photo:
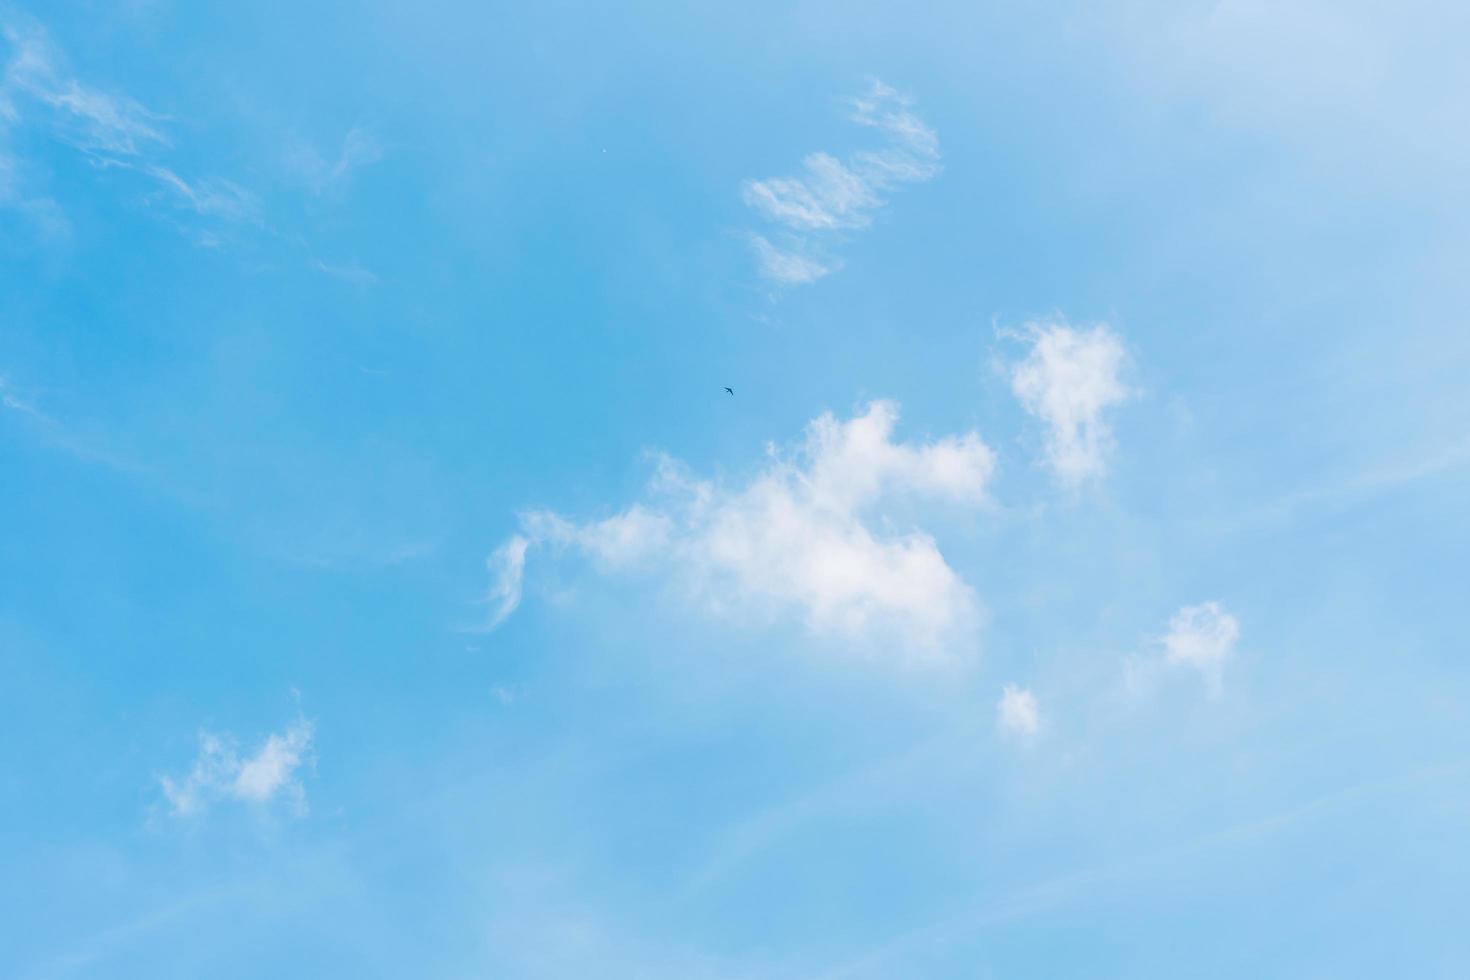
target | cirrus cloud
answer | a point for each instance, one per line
(830, 196)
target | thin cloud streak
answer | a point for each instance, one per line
(831, 196)
(61, 436)
(1066, 889)
(112, 130)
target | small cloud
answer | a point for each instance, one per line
(787, 268)
(354, 274)
(1068, 380)
(507, 566)
(1202, 637)
(830, 196)
(323, 176)
(220, 773)
(1016, 714)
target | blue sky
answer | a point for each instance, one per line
(1073, 586)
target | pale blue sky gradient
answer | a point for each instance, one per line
(307, 309)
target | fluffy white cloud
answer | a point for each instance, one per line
(812, 533)
(1202, 637)
(220, 773)
(831, 195)
(1016, 713)
(1068, 380)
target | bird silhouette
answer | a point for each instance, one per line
(730, 390)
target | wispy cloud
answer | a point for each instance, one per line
(354, 274)
(830, 196)
(13, 401)
(112, 129)
(507, 566)
(787, 268)
(221, 773)
(1369, 482)
(324, 176)
(1069, 379)
(1093, 881)
(90, 119)
(211, 197)
(812, 533)
(60, 435)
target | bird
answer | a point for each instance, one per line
(730, 390)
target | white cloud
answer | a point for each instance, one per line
(828, 196)
(507, 566)
(1202, 637)
(60, 435)
(1016, 713)
(816, 533)
(831, 195)
(787, 268)
(1068, 380)
(220, 773)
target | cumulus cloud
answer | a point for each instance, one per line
(1202, 637)
(220, 773)
(1068, 380)
(1016, 714)
(831, 195)
(816, 534)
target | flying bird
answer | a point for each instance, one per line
(730, 390)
